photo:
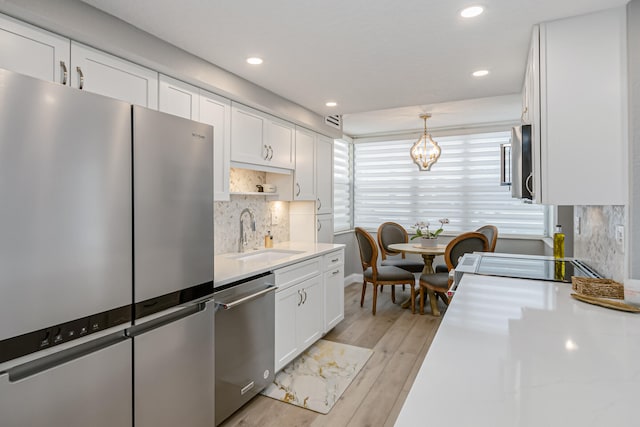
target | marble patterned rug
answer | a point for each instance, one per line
(317, 378)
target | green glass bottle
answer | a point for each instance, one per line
(558, 242)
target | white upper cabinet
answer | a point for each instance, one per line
(248, 142)
(580, 139)
(32, 51)
(47, 56)
(184, 100)
(260, 139)
(216, 111)
(281, 142)
(108, 75)
(324, 175)
(178, 98)
(304, 187)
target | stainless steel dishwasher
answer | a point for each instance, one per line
(244, 338)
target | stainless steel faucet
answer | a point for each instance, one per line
(243, 238)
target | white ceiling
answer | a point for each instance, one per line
(377, 57)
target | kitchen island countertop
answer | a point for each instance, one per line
(228, 268)
(524, 353)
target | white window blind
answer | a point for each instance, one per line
(462, 186)
(342, 212)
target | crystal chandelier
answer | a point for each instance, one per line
(425, 152)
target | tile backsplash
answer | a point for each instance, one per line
(596, 244)
(227, 214)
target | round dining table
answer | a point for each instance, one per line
(428, 254)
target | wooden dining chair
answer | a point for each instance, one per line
(491, 233)
(389, 233)
(438, 283)
(380, 275)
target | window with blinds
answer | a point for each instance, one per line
(463, 186)
(342, 212)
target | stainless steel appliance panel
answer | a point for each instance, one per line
(245, 337)
(173, 197)
(173, 368)
(65, 213)
(93, 389)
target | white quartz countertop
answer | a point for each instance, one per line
(524, 353)
(228, 268)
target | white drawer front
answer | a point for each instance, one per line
(333, 259)
(296, 273)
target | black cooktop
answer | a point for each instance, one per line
(534, 268)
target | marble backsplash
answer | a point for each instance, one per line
(596, 244)
(226, 215)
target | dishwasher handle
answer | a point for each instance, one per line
(228, 305)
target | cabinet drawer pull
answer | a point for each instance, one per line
(65, 73)
(270, 153)
(319, 203)
(305, 296)
(335, 260)
(298, 188)
(266, 152)
(335, 272)
(319, 225)
(81, 85)
(300, 295)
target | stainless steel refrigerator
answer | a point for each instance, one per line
(106, 261)
(173, 263)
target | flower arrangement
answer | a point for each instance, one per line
(422, 229)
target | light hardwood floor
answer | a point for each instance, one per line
(400, 341)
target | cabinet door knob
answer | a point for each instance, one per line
(65, 73)
(81, 85)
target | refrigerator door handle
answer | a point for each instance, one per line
(169, 318)
(45, 363)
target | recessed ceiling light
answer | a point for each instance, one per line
(472, 11)
(480, 73)
(331, 104)
(254, 60)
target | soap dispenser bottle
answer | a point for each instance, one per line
(268, 240)
(558, 242)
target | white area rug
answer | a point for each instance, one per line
(317, 378)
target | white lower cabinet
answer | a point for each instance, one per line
(309, 303)
(299, 319)
(333, 279)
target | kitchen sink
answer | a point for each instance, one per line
(263, 255)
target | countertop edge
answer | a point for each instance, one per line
(228, 271)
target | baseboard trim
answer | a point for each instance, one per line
(355, 277)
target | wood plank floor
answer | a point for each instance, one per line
(400, 341)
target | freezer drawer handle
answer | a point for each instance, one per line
(240, 301)
(165, 320)
(37, 366)
(246, 388)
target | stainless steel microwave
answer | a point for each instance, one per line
(516, 167)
